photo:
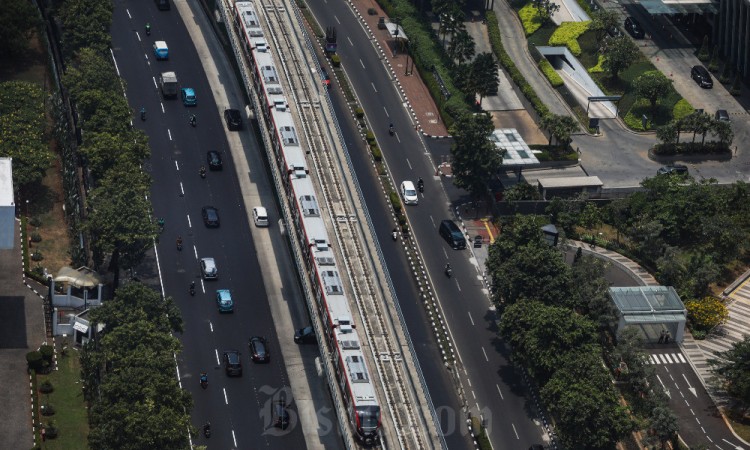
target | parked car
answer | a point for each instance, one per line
(673, 169)
(700, 75)
(188, 97)
(260, 216)
(214, 160)
(224, 301)
(723, 115)
(210, 216)
(233, 363)
(259, 349)
(634, 27)
(409, 193)
(452, 234)
(233, 118)
(209, 271)
(305, 335)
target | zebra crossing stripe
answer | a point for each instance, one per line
(682, 358)
(652, 359)
(669, 360)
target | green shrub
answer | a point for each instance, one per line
(395, 202)
(35, 222)
(359, 112)
(736, 88)
(682, 109)
(567, 34)
(47, 352)
(36, 237)
(704, 52)
(699, 334)
(377, 155)
(633, 117)
(47, 410)
(335, 60)
(530, 19)
(37, 256)
(554, 78)
(50, 430)
(706, 313)
(46, 387)
(35, 360)
(598, 67)
(370, 136)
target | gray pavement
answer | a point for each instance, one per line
(23, 331)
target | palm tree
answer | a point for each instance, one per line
(451, 20)
(484, 75)
(461, 47)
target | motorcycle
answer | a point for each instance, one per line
(193, 121)
(394, 234)
(391, 130)
(204, 381)
(192, 288)
(143, 114)
(207, 430)
(148, 29)
(420, 186)
(203, 172)
(448, 271)
(179, 246)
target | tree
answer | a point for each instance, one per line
(723, 131)
(652, 85)
(560, 127)
(602, 21)
(670, 271)
(103, 151)
(461, 47)
(668, 134)
(475, 157)
(702, 270)
(484, 77)
(620, 53)
(135, 301)
(120, 218)
(90, 71)
(664, 423)
(521, 191)
(542, 336)
(86, 24)
(546, 9)
(451, 20)
(732, 368)
(706, 313)
(18, 22)
(591, 291)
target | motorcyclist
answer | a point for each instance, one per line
(390, 128)
(395, 233)
(203, 171)
(448, 270)
(161, 222)
(179, 241)
(148, 28)
(204, 378)
(420, 184)
(143, 113)
(207, 428)
(192, 119)
(192, 285)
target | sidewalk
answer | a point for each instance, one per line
(416, 95)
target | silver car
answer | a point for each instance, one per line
(208, 269)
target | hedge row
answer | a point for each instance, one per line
(497, 47)
(554, 78)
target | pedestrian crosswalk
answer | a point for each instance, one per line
(667, 358)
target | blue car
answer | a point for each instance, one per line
(188, 97)
(224, 301)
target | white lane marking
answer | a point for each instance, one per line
(473, 394)
(179, 378)
(386, 112)
(154, 80)
(514, 430)
(169, 132)
(500, 392)
(190, 222)
(337, 20)
(203, 287)
(195, 251)
(138, 35)
(211, 326)
(458, 285)
(350, 41)
(485, 355)
(652, 359)
(362, 64)
(409, 164)
(129, 16)
(690, 388)
(373, 87)
(177, 165)
(163, 111)
(117, 68)
(234, 438)
(226, 399)
(471, 318)
(217, 357)
(182, 189)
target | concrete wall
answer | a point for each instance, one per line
(7, 227)
(732, 33)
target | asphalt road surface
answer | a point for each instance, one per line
(495, 389)
(239, 409)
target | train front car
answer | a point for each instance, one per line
(368, 423)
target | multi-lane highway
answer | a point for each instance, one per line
(238, 408)
(492, 386)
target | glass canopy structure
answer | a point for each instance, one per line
(651, 309)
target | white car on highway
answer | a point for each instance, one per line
(409, 193)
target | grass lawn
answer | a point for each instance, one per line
(71, 415)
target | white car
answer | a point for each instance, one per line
(260, 216)
(409, 193)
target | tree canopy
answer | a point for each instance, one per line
(620, 53)
(732, 368)
(19, 19)
(652, 85)
(475, 157)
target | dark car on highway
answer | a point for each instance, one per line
(233, 363)
(210, 216)
(259, 349)
(233, 118)
(305, 336)
(280, 415)
(214, 160)
(700, 75)
(634, 28)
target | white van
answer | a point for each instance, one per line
(161, 51)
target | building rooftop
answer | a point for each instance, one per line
(647, 300)
(517, 152)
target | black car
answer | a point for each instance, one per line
(634, 28)
(233, 363)
(674, 169)
(305, 336)
(452, 234)
(700, 75)
(214, 160)
(233, 118)
(210, 216)
(259, 349)
(722, 115)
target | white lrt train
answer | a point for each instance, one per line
(309, 228)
